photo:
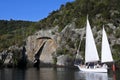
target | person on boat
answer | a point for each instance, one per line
(97, 65)
(104, 66)
(91, 65)
(87, 65)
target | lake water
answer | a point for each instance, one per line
(54, 74)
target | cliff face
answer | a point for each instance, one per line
(48, 51)
(63, 45)
(55, 44)
(43, 44)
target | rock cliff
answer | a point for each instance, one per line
(54, 42)
(63, 45)
(36, 41)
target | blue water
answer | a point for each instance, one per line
(54, 74)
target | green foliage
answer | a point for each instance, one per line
(14, 32)
(55, 60)
(116, 47)
(15, 57)
(116, 54)
(60, 52)
(117, 34)
(77, 11)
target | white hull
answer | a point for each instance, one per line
(97, 70)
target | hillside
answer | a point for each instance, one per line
(14, 32)
(105, 11)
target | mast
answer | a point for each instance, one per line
(91, 54)
(81, 38)
(79, 56)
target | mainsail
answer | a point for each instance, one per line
(106, 55)
(91, 54)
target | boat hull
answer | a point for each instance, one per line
(97, 70)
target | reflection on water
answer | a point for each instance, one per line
(53, 74)
(92, 76)
(96, 76)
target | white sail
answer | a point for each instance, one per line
(91, 54)
(106, 55)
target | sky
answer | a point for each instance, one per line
(28, 10)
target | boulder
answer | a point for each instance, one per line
(64, 60)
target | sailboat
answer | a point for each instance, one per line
(91, 54)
